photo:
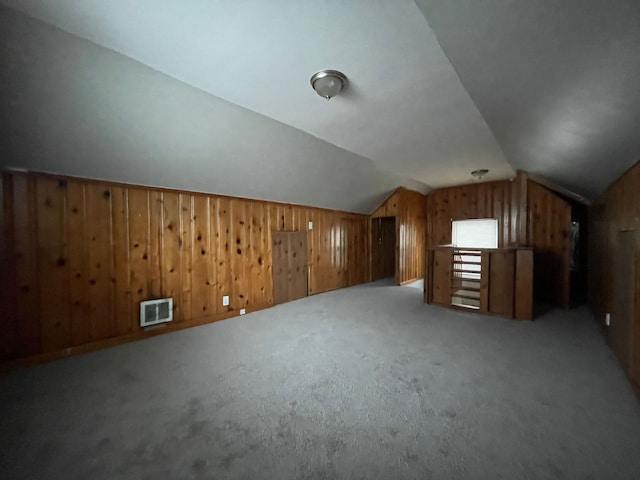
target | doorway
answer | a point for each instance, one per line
(578, 254)
(383, 248)
(290, 272)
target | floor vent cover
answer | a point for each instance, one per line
(153, 312)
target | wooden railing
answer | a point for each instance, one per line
(494, 281)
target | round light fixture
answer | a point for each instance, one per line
(478, 174)
(328, 83)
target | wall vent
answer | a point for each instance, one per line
(153, 312)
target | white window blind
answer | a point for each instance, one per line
(478, 233)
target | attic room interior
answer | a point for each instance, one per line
(211, 271)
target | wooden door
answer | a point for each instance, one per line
(290, 273)
(383, 247)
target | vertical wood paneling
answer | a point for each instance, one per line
(477, 200)
(123, 305)
(138, 224)
(614, 276)
(280, 267)
(53, 271)
(200, 284)
(441, 277)
(101, 305)
(549, 221)
(524, 285)
(237, 253)
(225, 252)
(501, 282)
(80, 315)
(26, 288)
(172, 253)
(9, 344)
(258, 293)
(185, 244)
(155, 235)
(81, 255)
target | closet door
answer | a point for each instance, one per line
(290, 272)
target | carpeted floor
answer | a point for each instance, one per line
(365, 382)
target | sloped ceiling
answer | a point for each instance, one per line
(216, 95)
(71, 107)
(558, 82)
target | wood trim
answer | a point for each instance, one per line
(112, 342)
(559, 189)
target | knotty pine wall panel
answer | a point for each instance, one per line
(53, 269)
(80, 255)
(122, 302)
(499, 200)
(100, 259)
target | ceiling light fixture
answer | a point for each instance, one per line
(328, 83)
(478, 174)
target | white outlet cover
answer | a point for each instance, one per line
(242, 311)
(225, 301)
(607, 319)
(310, 225)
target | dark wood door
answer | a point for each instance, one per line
(290, 275)
(383, 247)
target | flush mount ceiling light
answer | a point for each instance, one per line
(328, 83)
(478, 174)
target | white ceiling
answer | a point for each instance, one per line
(436, 89)
(405, 108)
(557, 81)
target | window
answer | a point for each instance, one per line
(480, 233)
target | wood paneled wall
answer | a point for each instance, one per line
(409, 209)
(528, 214)
(499, 200)
(79, 256)
(548, 227)
(614, 267)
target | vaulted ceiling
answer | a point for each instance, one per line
(215, 96)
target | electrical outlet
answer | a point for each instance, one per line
(310, 225)
(242, 311)
(225, 301)
(607, 319)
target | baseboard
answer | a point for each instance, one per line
(8, 365)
